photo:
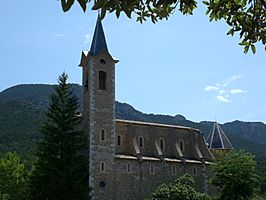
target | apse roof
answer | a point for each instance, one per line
(217, 139)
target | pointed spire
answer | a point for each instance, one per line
(217, 138)
(98, 42)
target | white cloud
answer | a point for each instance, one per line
(222, 92)
(237, 91)
(222, 99)
(231, 79)
(59, 35)
(211, 88)
(87, 38)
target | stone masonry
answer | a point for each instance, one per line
(129, 159)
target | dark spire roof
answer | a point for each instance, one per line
(98, 42)
(217, 138)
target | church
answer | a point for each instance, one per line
(130, 159)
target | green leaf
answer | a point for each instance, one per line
(206, 3)
(243, 3)
(117, 12)
(253, 48)
(83, 4)
(230, 32)
(103, 13)
(98, 4)
(243, 43)
(246, 48)
(66, 4)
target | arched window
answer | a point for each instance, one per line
(102, 167)
(161, 143)
(102, 61)
(102, 80)
(129, 167)
(119, 140)
(141, 142)
(152, 170)
(102, 135)
(173, 170)
(181, 145)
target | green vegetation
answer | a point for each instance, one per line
(61, 170)
(13, 178)
(246, 17)
(19, 126)
(234, 174)
(182, 189)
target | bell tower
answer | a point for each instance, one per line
(98, 83)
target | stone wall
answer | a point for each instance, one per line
(99, 118)
(140, 182)
(167, 163)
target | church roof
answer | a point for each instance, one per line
(217, 138)
(98, 42)
(155, 124)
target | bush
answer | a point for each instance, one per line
(182, 189)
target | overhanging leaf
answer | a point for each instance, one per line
(83, 4)
(66, 4)
(253, 48)
(98, 4)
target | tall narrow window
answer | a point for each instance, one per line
(102, 135)
(173, 170)
(102, 167)
(119, 141)
(181, 144)
(152, 169)
(141, 142)
(129, 167)
(86, 84)
(102, 80)
(194, 171)
(161, 143)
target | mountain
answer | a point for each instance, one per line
(22, 111)
(23, 107)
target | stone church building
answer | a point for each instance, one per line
(129, 159)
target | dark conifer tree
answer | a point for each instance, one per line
(61, 170)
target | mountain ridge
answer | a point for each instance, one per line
(34, 98)
(23, 108)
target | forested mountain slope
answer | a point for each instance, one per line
(22, 110)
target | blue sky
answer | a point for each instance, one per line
(185, 65)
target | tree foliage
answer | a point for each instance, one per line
(182, 189)
(61, 170)
(235, 176)
(246, 17)
(13, 177)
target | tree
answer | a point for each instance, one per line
(246, 17)
(182, 189)
(13, 177)
(61, 171)
(235, 176)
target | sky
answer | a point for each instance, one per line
(185, 65)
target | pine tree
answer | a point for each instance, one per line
(61, 170)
